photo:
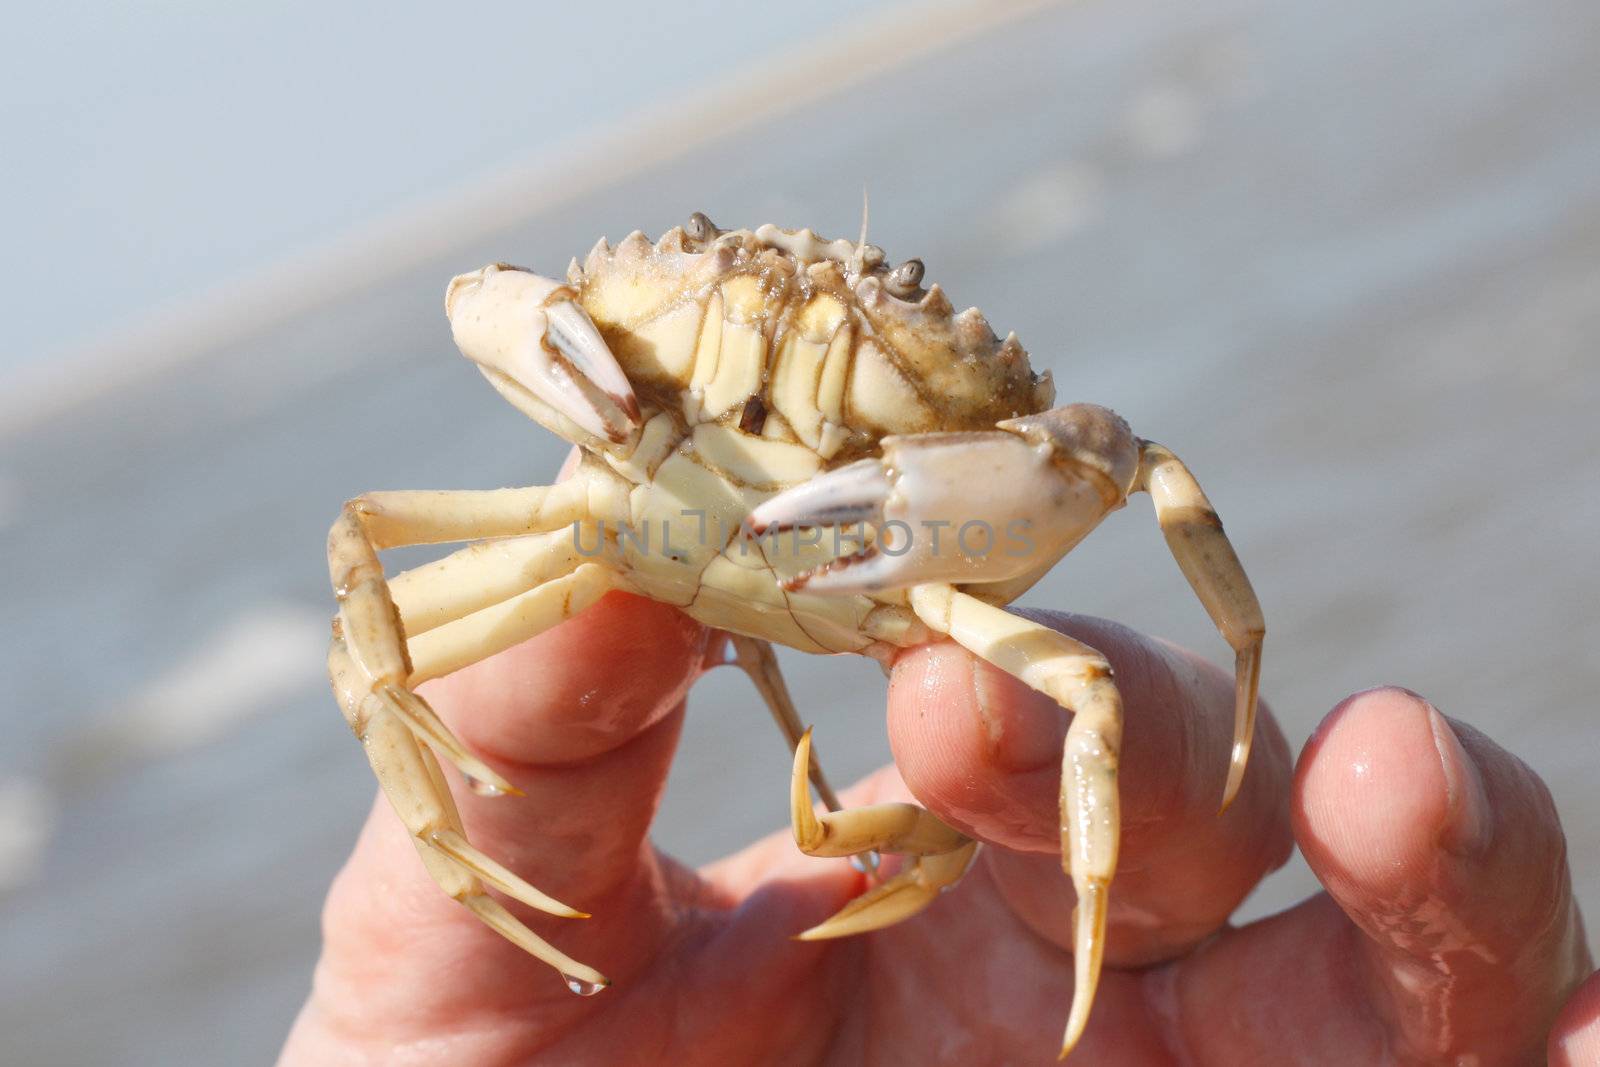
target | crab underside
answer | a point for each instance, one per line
(794, 442)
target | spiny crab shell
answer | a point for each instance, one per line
(837, 349)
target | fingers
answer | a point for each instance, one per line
(1446, 852)
(563, 717)
(584, 720)
(984, 752)
(1575, 1038)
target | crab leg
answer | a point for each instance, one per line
(465, 641)
(371, 663)
(756, 658)
(1195, 536)
(369, 620)
(942, 853)
(411, 778)
(898, 898)
(482, 574)
(431, 516)
(1079, 679)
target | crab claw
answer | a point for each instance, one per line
(966, 508)
(538, 346)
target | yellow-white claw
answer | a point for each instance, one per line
(1089, 942)
(899, 898)
(580, 977)
(889, 827)
(459, 849)
(850, 494)
(539, 347)
(808, 831)
(1247, 683)
(1006, 510)
(430, 729)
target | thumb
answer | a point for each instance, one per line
(1575, 1038)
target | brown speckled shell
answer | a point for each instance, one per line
(946, 371)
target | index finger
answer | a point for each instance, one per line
(983, 751)
(583, 719)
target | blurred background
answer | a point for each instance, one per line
(1345, 260)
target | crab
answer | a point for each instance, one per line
(773, 432)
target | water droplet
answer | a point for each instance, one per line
(866, 862)
(482, 788)
(583, 988)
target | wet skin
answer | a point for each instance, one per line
(1447, 928)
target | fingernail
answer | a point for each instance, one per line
(1466, 828)
(1023, 735)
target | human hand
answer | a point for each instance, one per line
(1447, 933)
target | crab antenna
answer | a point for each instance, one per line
(861, 245)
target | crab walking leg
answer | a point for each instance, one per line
(1195, 536)
(411, 779)
(371, 669)
(1079, 679)
(942, 853)
(467, 640)
(898, 898)
(482, 574)
(369, 620)
(756, 658)
(433, 516)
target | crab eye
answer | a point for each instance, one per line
(701, 228)
(905, 279)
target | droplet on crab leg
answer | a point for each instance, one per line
(867, 862)
(482, 788)
(583, 987)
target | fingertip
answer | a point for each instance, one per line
(978, 747)
(1381, 786)
(1575, 1037)
(579, 690)
(1396, 810)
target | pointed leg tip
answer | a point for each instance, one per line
(1236, 769)
(808, 830)
(827, 930)
(1076, 1021)
(540, 901)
